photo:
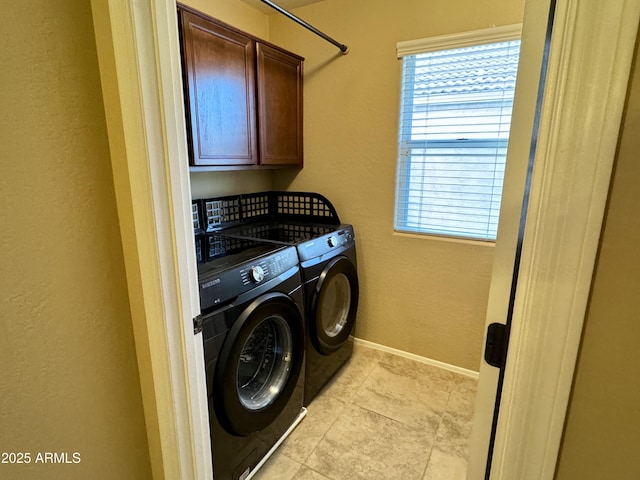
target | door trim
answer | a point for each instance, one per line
(139, 59)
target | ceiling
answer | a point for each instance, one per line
(286, 4)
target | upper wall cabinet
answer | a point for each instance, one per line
(243, 97)
(279, 106)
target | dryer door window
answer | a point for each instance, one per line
(259, 365)
(334, 305)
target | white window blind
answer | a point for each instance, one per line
(455, 117)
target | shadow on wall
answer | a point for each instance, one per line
(308, 74)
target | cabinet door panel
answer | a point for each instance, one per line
(279, 107)
(220, 77)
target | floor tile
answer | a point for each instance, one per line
(352, 375)
(457, 422)
(382, 417)
(443, 466)
(322, 412)
(454, 434)
(365, 445)
(463, 396)
(278, 467)
(406, 391)
(437, 377)
(305, 473)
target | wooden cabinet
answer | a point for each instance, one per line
(243, 97)
(279, 106)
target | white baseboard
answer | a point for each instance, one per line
(418, 358)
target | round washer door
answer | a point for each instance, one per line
(259, 365)
(334, 305)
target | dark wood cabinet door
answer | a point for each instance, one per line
(219, 70)
(279, 107)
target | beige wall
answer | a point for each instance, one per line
(602, 433)
(69, 380)
(421, 295)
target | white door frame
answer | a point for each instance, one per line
(138, 52)
(139, 59)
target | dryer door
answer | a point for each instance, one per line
(259, 364)
(334, 305)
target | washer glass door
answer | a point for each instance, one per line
(259, 365)
(265, 363)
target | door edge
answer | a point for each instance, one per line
(589, 64)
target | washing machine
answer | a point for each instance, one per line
(327, 255)
(251, 297)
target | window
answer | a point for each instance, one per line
(455, 114)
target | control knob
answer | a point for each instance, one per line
(257, 273)
(333, 241)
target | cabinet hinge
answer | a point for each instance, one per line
(197, 325)
(495, 350)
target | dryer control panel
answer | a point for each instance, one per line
(343, 236)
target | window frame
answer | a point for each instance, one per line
(411, 48)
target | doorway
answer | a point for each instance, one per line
(570, 172)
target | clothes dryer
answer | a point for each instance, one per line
(254, 341)
(331, 286)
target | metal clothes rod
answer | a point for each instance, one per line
(343, 48)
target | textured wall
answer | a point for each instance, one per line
(421, 295)
(602, 433)
(69, 380)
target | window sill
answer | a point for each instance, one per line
(444, 238)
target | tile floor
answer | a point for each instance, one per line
(382, 417)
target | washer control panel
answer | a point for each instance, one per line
(221, 285)
(268, 267)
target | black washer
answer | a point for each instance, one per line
(256, 373)
(251, 299)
